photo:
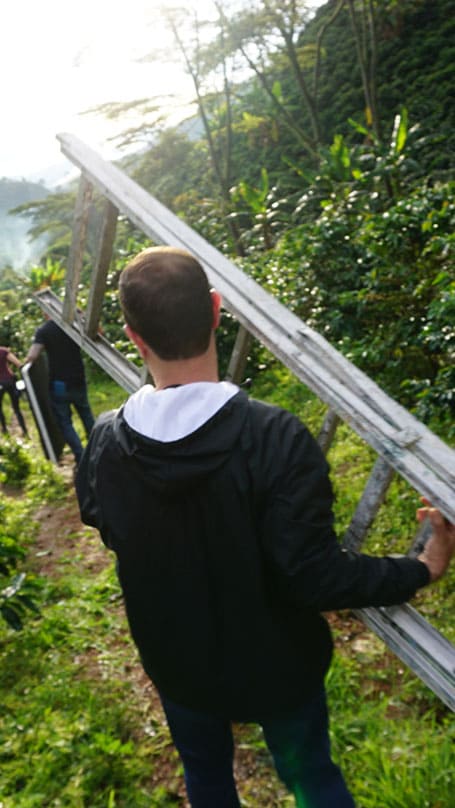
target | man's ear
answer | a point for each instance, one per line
(138, 341)
(216, 307)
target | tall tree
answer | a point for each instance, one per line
(264, 33)
(214, 104)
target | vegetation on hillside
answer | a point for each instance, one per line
(81, 726)
(323, 163)
(21, 471)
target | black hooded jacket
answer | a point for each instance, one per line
(227, 555)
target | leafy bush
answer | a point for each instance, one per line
(16, 590)
(375, 276)
(15, 463)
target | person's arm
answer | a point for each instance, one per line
(13, 359)
(34, 352)
(307, 563)
(87, 480)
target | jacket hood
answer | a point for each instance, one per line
(172, 465)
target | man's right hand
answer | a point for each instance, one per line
(440, 547)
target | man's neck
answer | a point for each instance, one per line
(174, 373)
(179, 379)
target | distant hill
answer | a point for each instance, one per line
(16, 249)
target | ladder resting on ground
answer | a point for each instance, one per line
(402, 443)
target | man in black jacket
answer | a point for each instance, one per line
(67, 384)
(219, 511)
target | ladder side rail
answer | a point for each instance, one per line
(160, 223)
(316, 345)
(418, 644)
(258, 311)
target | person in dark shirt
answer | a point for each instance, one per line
(219, 511)
(8, 385)
(67, 384)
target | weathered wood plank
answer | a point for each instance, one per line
(425, 461)
(37, 414)
(76, 253)
(423, 649)
(101, 268)
(370, 502)
(328, 430)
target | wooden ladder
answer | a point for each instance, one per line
(403, 444)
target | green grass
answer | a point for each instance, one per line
(72, 729)
(104, 394)
(77, 729)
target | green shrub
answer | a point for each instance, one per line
(15, 463)
(16, 589)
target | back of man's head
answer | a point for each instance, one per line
(165, 298)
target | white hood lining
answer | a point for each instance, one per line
(171, 414)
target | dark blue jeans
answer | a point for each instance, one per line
(62, 398)
(10, 388)
(299, 743)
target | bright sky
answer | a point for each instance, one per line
(59, 58)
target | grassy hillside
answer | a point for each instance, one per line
(81, 726)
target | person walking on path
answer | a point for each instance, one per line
(8, 385)
(218, 508)
(67, 384)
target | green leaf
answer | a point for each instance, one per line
(11, 616)
(400, 131)
(276, 90)
(360, 128)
